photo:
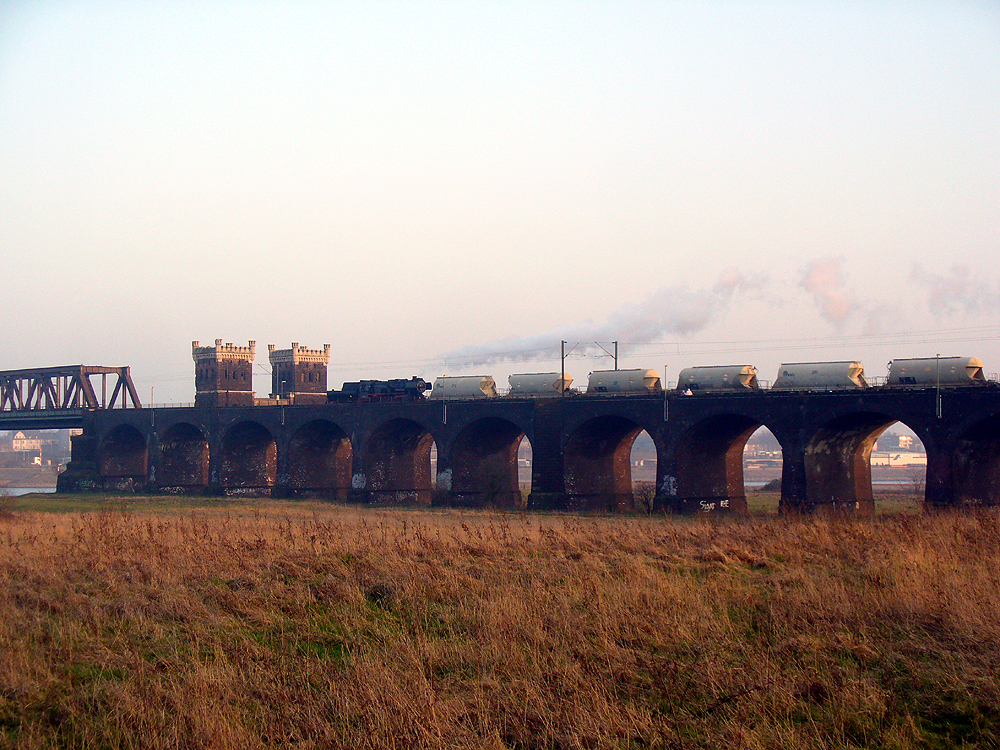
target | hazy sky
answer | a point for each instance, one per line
(425, 185)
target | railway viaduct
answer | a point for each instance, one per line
(381, 452)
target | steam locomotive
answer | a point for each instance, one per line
(369, 391)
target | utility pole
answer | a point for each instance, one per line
(663, 385)
(937, 383)
(562, 368)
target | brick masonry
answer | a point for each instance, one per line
(378, 452)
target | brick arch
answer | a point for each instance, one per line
(397, 463)
(709, 463)
(484, 464)
(838, 461)
(248, 460)
(319, 460)
(184, 458)
(597, 471)
(123, 458)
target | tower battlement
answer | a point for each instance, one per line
(222, 351)
(299, 373)
(299, 354)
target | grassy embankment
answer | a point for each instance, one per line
(182, 623)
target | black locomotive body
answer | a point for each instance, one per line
(368, 391)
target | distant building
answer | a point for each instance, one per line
(24, 443)
(889, 441)
(299, 374)
(27, 450)
(223, 374)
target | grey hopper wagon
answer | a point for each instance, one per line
(718, 378)
(464, 386)
(624, 382)
(539, 384)
(933, 371)
(820, 376)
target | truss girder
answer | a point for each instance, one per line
(65, 388)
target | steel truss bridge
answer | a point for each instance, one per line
(60, 397)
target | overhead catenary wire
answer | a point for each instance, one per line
(588, 350)
(584, 349)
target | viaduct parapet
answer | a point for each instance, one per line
(381, 452)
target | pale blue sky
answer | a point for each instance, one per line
(711, 182)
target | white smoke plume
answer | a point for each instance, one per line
(823, 279)
(676, 310)
(956, 291)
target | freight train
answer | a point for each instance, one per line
(927, 372)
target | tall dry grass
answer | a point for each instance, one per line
(319, 626)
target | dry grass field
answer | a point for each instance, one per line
(194, 624)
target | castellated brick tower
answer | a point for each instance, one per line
(299, 374)
(223, 374)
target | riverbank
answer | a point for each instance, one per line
(28, 477)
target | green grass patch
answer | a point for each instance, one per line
(86, 672)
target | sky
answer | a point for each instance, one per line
(445, 188)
